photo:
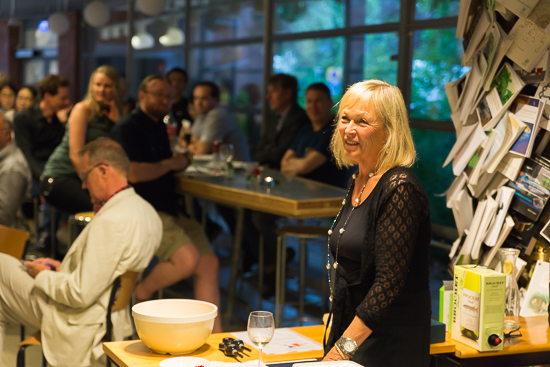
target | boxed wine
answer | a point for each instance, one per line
(478, 307)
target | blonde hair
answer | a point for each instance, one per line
(111, 73)
(387, 101)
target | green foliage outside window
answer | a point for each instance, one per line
(428, 9)
(432, 148)
(379, 48)
(379, 12)
(310, 15)
(436, 61)
(308, 61)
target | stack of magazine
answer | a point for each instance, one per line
(500, 110)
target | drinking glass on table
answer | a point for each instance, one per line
(260, 330)
(226, 152)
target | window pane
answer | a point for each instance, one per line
(432, 148)
(309, 15)
(427, 9)
(156, 62)
(371, 57)
(369, 12)
(309, 61)
(230, 19)
(436, 61)
(236, 69)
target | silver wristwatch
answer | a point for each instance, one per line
(347, 346)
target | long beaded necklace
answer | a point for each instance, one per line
(342, 230)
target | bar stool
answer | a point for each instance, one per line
(76, 221)
(303, 233)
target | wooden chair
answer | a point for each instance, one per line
(121, 294)
(12, 241)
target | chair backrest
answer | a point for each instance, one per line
(128, 281)
(121, 294)
(12, 241)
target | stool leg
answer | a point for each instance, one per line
(278, 282)
(53, 233)
(235, 261)
(261, 270)
(303, 245)
(283, 278)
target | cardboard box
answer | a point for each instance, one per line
(445, 304)
(478, 307)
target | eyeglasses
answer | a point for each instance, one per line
(7, 95)
(84, 175)
(159, 95)
(25, 99)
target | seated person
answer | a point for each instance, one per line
(214, 123)
(15, 178)
(177, 77)
(184, 250)
(282, 123)
(67, 301)
(309, 155)
(38, 130)
(91, 118)
(7, 99)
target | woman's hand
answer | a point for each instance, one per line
(113, 113)
(332, 355)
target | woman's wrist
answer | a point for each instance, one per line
(342, 355)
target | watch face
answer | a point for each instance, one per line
(349, 347)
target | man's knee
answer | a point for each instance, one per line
(209, 262)
(186, 257)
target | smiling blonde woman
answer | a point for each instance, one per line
(90, 119)
(379, 240)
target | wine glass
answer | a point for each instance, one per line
(260, 330)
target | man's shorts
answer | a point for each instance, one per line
(178, 231)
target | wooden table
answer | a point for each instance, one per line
(134, 353)
(291, 196)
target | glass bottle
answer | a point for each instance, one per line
(508, 258)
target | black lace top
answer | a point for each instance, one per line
(383, 257)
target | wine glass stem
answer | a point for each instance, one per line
(260, 357)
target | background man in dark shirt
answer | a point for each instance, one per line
(308, 156)
(177, 77)
(38, 130)
(143, 136)
(284, 121)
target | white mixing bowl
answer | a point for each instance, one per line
(175, 326)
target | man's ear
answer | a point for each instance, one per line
(103, 169)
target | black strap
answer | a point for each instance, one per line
(112, 299)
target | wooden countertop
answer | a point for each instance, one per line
(536, 336)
